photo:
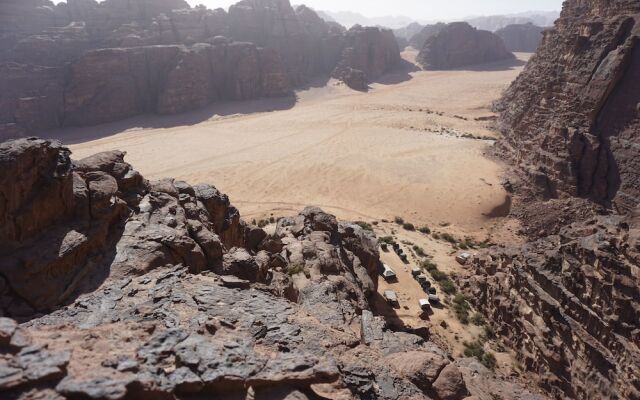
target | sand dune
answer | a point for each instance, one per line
(392, 151)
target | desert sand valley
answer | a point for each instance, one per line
(396, 150)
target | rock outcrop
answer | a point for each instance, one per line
(65, 61)
(133, 289)
(568, 304)
(458, 45)
(521, 37)
(368, 51)
(571, 119)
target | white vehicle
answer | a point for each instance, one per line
(424, 304)
(391, 297)
(388, 274)
(462, 258)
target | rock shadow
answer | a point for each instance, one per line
(75, 135)
(401, 73)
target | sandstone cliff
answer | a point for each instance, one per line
(459, 44)
(571, 119)
(521, 37)
(65, 62)
(568, 302)
(130, 289)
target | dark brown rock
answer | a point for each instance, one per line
(458, 45)
(578, 134)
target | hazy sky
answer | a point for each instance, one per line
(417, 9)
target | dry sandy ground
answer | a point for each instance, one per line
(397, 150)
(392, 151)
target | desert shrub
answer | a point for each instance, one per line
(429, 265)
(461, 308)
(254, 222)
(263, 222)
(438, 275)
(489, 360)
(436, 235)
(463, 246)
(474, 349)
(364, 225)
(448, 287)
(375, 223)
(477, 319)
(387, 239)
(419, 251)
(489, 333)
(425, 229)
(272, 220)
(449, 238)
(399, 220)
(408, 227)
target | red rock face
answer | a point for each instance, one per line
(459, 44)
(570, 119)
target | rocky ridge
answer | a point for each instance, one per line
(567, 301)
(578, 136)
(130, 289)
(458, 44)
(62, 62)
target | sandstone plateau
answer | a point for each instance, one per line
(458, 45)
(130, 289)
(61, 63)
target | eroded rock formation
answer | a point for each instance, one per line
(368, 51)
(571, 119)
(568, 302)
(459, 44)
(135, 289)
(521, 37)
(64, 62)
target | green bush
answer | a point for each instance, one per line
(364, 225)
(448, 287)
(474, 349)
(461, 308)
(425, 229)
(477, 319)
(489, 360)
(408, 227)
(399, 220)
(436, 235)
(272, 220)
(449, 238)
(419, 251)
(387, 239)
(429, 265)
(262, 223)
(489, 333)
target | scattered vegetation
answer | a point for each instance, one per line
(477, 319)
(489, 333)
(449, 238)
(419, 251)
(364, 225)
(446, 284)
(399, 220)
(387, 239)
(408, 226)
(476, 349)
(425, 229)
(461, 308)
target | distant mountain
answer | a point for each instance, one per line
(495, 22)
(348, 19)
